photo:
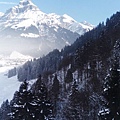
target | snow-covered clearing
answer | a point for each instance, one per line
(7, 85)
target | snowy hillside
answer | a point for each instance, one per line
(17, 55)
(15, 58)
(8, 86)
(28, 30)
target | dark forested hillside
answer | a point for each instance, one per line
(96, 44)
(76, 76)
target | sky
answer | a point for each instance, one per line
(92, 11)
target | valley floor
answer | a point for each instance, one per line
(8, 86)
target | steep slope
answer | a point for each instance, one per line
(81, 98)
(17, 55)
(26, 26)
(96, 44)
(89, 66)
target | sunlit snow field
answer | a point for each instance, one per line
(7, 85)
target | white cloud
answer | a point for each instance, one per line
(7, 3)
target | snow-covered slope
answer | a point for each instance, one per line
(14, 59)
(17, 55)
(8, 86)
(26, 26)
(26, 14)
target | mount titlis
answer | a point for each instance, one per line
(26, 29)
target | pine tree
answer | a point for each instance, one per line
(112, 95)
(55, 92)
(41, 105)
(69, 76)
(72, 110)
(31, 104)
(20, 105)
(4, 110)
(55, 87)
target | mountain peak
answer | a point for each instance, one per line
(23, 1)
(27, 24)
(20, 9)
(26, 2)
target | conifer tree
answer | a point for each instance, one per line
(55, 92)
(69, 76)
(112, 95)
(55, 87)
(20, 106)
(4, 110)
(72, 110)
(42, 107)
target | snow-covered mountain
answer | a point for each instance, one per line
(17, 55)
(14, 59)
(27, 29)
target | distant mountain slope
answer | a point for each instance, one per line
(29, 30)
(17, 55)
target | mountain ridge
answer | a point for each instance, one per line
(26, 6)
(50, 31)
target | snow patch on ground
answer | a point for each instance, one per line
(30, 35)
(118, 70)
